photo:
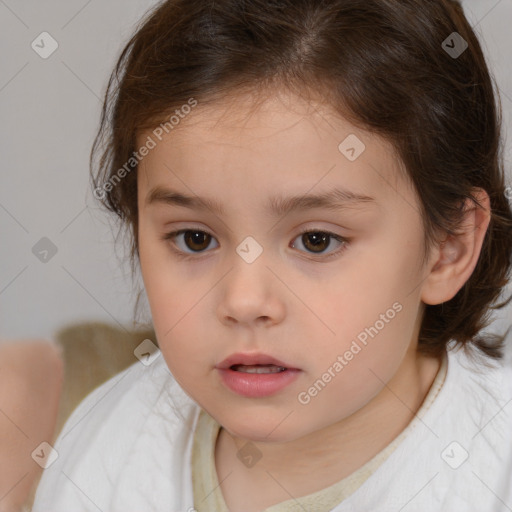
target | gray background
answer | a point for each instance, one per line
(49, 111)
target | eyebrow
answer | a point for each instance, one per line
(334, 199)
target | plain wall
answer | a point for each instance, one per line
(49, 111)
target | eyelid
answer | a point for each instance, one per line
(319, 257)
(325, 256)
(182, 254)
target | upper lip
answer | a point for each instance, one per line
(251, 359)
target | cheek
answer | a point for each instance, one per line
(175, 302)
(373, 314)
(175, 309)
(350, 377)
(161, 275)
(168, 294)
(178, 295)
(366, 294)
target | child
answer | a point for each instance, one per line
(316, 197)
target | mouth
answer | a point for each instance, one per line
(254, 363)
(257, 368)
(256, 375)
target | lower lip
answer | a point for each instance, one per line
(256, 385)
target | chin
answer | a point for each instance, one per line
(262, 430)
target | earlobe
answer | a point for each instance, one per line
(456, 257)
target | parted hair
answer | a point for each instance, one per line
(385, 65)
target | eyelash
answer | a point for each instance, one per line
(184, 255)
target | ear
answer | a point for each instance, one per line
(452, 262)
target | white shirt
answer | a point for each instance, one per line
(127, 448)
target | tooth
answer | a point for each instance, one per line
(258, 368)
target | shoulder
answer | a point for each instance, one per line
(135, 387)
(103, 437)
(456, 450)
(472, 402)
(467, 441)
(481, 394)
(485, 383)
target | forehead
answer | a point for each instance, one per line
(280, 142)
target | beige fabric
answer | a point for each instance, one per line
(93, 352)
(208, 495)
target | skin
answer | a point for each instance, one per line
(291, 303)
(31, 374)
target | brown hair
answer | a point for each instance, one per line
(381, 64)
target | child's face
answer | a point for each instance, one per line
(345, 316)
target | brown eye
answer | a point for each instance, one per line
(317, 242)
(196, 240)
(193, 241)
(189, 242)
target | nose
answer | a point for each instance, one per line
(251, 295)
